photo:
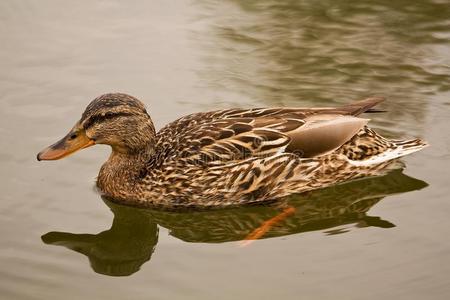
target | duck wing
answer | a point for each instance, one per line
(236, 134)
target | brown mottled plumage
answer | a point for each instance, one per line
(228, 157)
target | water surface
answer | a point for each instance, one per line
(382, 237)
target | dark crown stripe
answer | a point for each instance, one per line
(101, 118)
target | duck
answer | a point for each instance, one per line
(229, 157)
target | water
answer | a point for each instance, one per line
(377, 238)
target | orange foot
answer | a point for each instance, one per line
(261, 230)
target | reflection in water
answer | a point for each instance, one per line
(319, 52)
(132, 238)
(118, 251)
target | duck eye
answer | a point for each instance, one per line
(73, 136)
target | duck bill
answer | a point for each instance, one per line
(69, 144)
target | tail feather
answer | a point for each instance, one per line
(368, 147)
(399, 149)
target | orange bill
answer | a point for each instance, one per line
(69, 144)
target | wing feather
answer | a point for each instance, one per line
(235, 134)
(237, 140)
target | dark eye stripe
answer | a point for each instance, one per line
(101, 118)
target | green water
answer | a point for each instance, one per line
(383, 237)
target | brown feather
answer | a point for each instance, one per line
(324, 133)
(234, 156)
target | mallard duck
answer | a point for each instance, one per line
(228, 157)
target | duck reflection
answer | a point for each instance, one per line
(132, 238)
(118, 251)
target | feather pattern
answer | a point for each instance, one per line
(232, 156)
(236, 156)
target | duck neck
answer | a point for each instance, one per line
(120, 173)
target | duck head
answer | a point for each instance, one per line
(118, 120)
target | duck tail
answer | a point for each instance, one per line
(409, 146)
(398, 148)
(369, 148)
